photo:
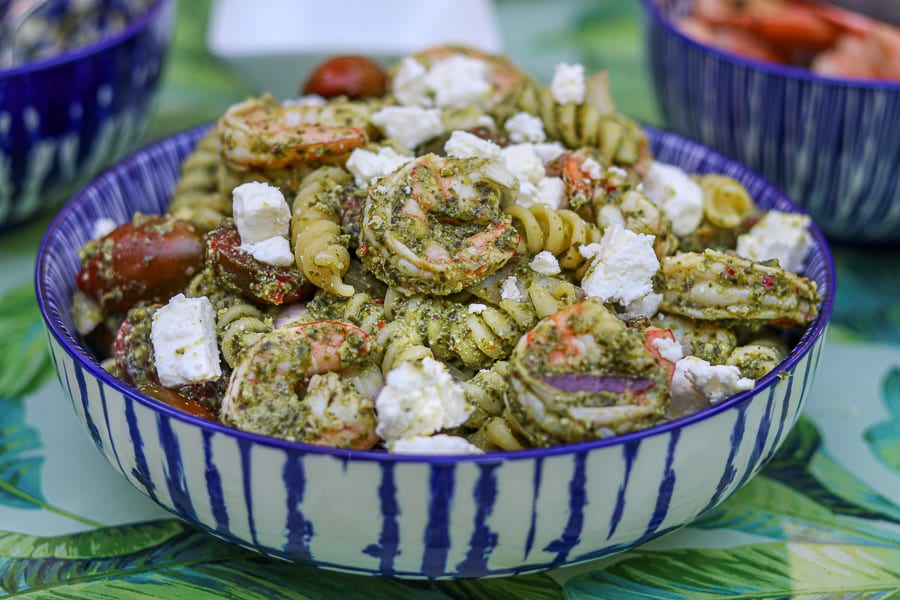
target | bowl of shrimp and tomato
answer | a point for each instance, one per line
(529, 331)
(804, 92)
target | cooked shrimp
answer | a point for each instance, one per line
(264, 133)
(429, 83)
(287, 386)
(582, 374)
(713, 285)
(435, 225)
(827, 39)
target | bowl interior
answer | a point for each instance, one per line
(144, 183)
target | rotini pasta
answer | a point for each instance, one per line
(319, 246)
(197, 196)
(558, 231)
(617, 138)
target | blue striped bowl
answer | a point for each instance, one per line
(418, 517)
(832, 144)
(65, 117)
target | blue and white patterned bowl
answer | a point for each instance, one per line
(65, 117)
(832, 144)
(419, 517)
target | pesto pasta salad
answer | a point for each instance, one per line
(445, 256)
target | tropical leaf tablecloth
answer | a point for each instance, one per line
(820, 521)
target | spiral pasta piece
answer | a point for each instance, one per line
(396, 343)
(485, 391)
(477, 335)
(619, 139)
(319, 246)
(197, 196)
(558, 231)
(726, 202)
(360, 309)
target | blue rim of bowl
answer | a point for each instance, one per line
(786, 71)
(87, 360)
(138, 24)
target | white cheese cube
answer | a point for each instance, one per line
(694, 376)
(522, 161)
(680, 197)
(260, 212)
(183, 334)
(367, 166)
(525, 127)
(409, 125)
(509, 290)
(645, 306)
(409, 85)
(623, 266)
(463, 144)
(568, 84)
(275, 251)
(548, 151)
(780, 235)
(459, 81)
(440, 443)
(102, 227)
(549, 190)
(545, 263)
(419, 398)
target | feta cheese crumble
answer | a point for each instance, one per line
(409, 125)
(545, 263)
(260, 212)
(463, 144)
(694, 376)
(509, 290)
(525, 127)
(680, 197)
(409, 85)
(549, 190)
(183, 334)
(623, 266)
(440, 443)
(453, 82)
(102, 227)
(568, 84)
(275, 251)
(780, 235)
(459, 81)
(419, 398)
(522, 161)
(368, 166)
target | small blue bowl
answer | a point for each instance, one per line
(65, 117)
(832, 144)
(369, 512)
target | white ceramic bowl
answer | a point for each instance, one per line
(404, 516)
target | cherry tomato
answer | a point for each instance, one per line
(236, 269)
(352, 76)
(179, 401)
(150, 259)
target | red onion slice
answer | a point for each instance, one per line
(616, 384)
